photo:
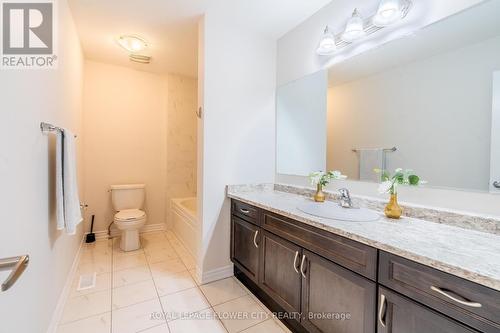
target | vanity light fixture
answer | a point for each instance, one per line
(389, 12)
(132, 43)
(326, 43)
(354, 29)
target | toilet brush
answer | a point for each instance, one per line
(91, 236)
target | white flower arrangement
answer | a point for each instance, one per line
(322, 178)
(401, 177)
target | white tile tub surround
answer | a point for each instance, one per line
(469, 254)
(133, 286)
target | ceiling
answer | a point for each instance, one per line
(170, 26)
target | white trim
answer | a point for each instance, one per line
(103, 234)
(214, 274)
(58, 311)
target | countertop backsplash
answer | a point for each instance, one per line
(460, 219)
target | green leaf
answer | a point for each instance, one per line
(413, 179)
(399, 177)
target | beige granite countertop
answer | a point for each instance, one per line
(469, 254)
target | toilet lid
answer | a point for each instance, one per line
(129, 214)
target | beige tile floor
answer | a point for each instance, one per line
(153, 290)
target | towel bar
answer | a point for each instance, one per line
(393, 149)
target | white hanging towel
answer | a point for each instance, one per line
(370, 159)
(68, 210)
(59, 181)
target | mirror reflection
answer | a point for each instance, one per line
(423, 102)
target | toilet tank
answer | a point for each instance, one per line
(129, 196)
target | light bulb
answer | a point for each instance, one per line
(389, 12)
(354, 28)
(132, 43)
(327, 43)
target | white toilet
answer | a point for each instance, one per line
(127, 201)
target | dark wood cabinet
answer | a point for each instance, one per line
(279, 274)
(326, 283)
(335, 299)
(245, 239)
(397, 314)
(472, 304)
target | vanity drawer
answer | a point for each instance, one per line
(245, 211)
(465, 301)
(355, 256)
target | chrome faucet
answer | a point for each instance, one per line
(345, 198)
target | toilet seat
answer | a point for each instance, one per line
(129, 215)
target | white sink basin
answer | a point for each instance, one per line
(332, 210)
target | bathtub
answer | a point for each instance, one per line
(185, 222)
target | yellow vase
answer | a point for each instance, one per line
(393, 210)
(320, 195)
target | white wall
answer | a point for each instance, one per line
(445, 99)
(125, 126)
(296, 58)
(139, 128)
(238, 71)
(27, 169)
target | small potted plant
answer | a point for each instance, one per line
(390, 185)
(321, 179)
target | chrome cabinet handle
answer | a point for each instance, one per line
(255, 239)
(244, 211)
(496, 184)
(295, 261)
(459, 301)
(302, 267)
(381, 310)
(16, 265)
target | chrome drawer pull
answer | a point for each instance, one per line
(302, 267)
(381, 310)
(16, 265)
(255, 239)
(295, 261)
(459, 301)
(244, 211)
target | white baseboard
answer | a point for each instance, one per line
(215, 274)
(103, 234)
(58, 311)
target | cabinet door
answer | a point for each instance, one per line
(334, 299)
(398, 314)
(245, 239)
(279, 271)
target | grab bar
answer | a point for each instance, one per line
(16, 265)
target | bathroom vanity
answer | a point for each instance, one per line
(334, 276)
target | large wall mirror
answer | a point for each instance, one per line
(428, 102)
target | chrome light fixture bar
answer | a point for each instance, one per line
(392, 11)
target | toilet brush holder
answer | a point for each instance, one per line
(90, 238)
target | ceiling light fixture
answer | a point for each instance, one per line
(354, 28)
(327, 43)
(389, 12)
(132, 44)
